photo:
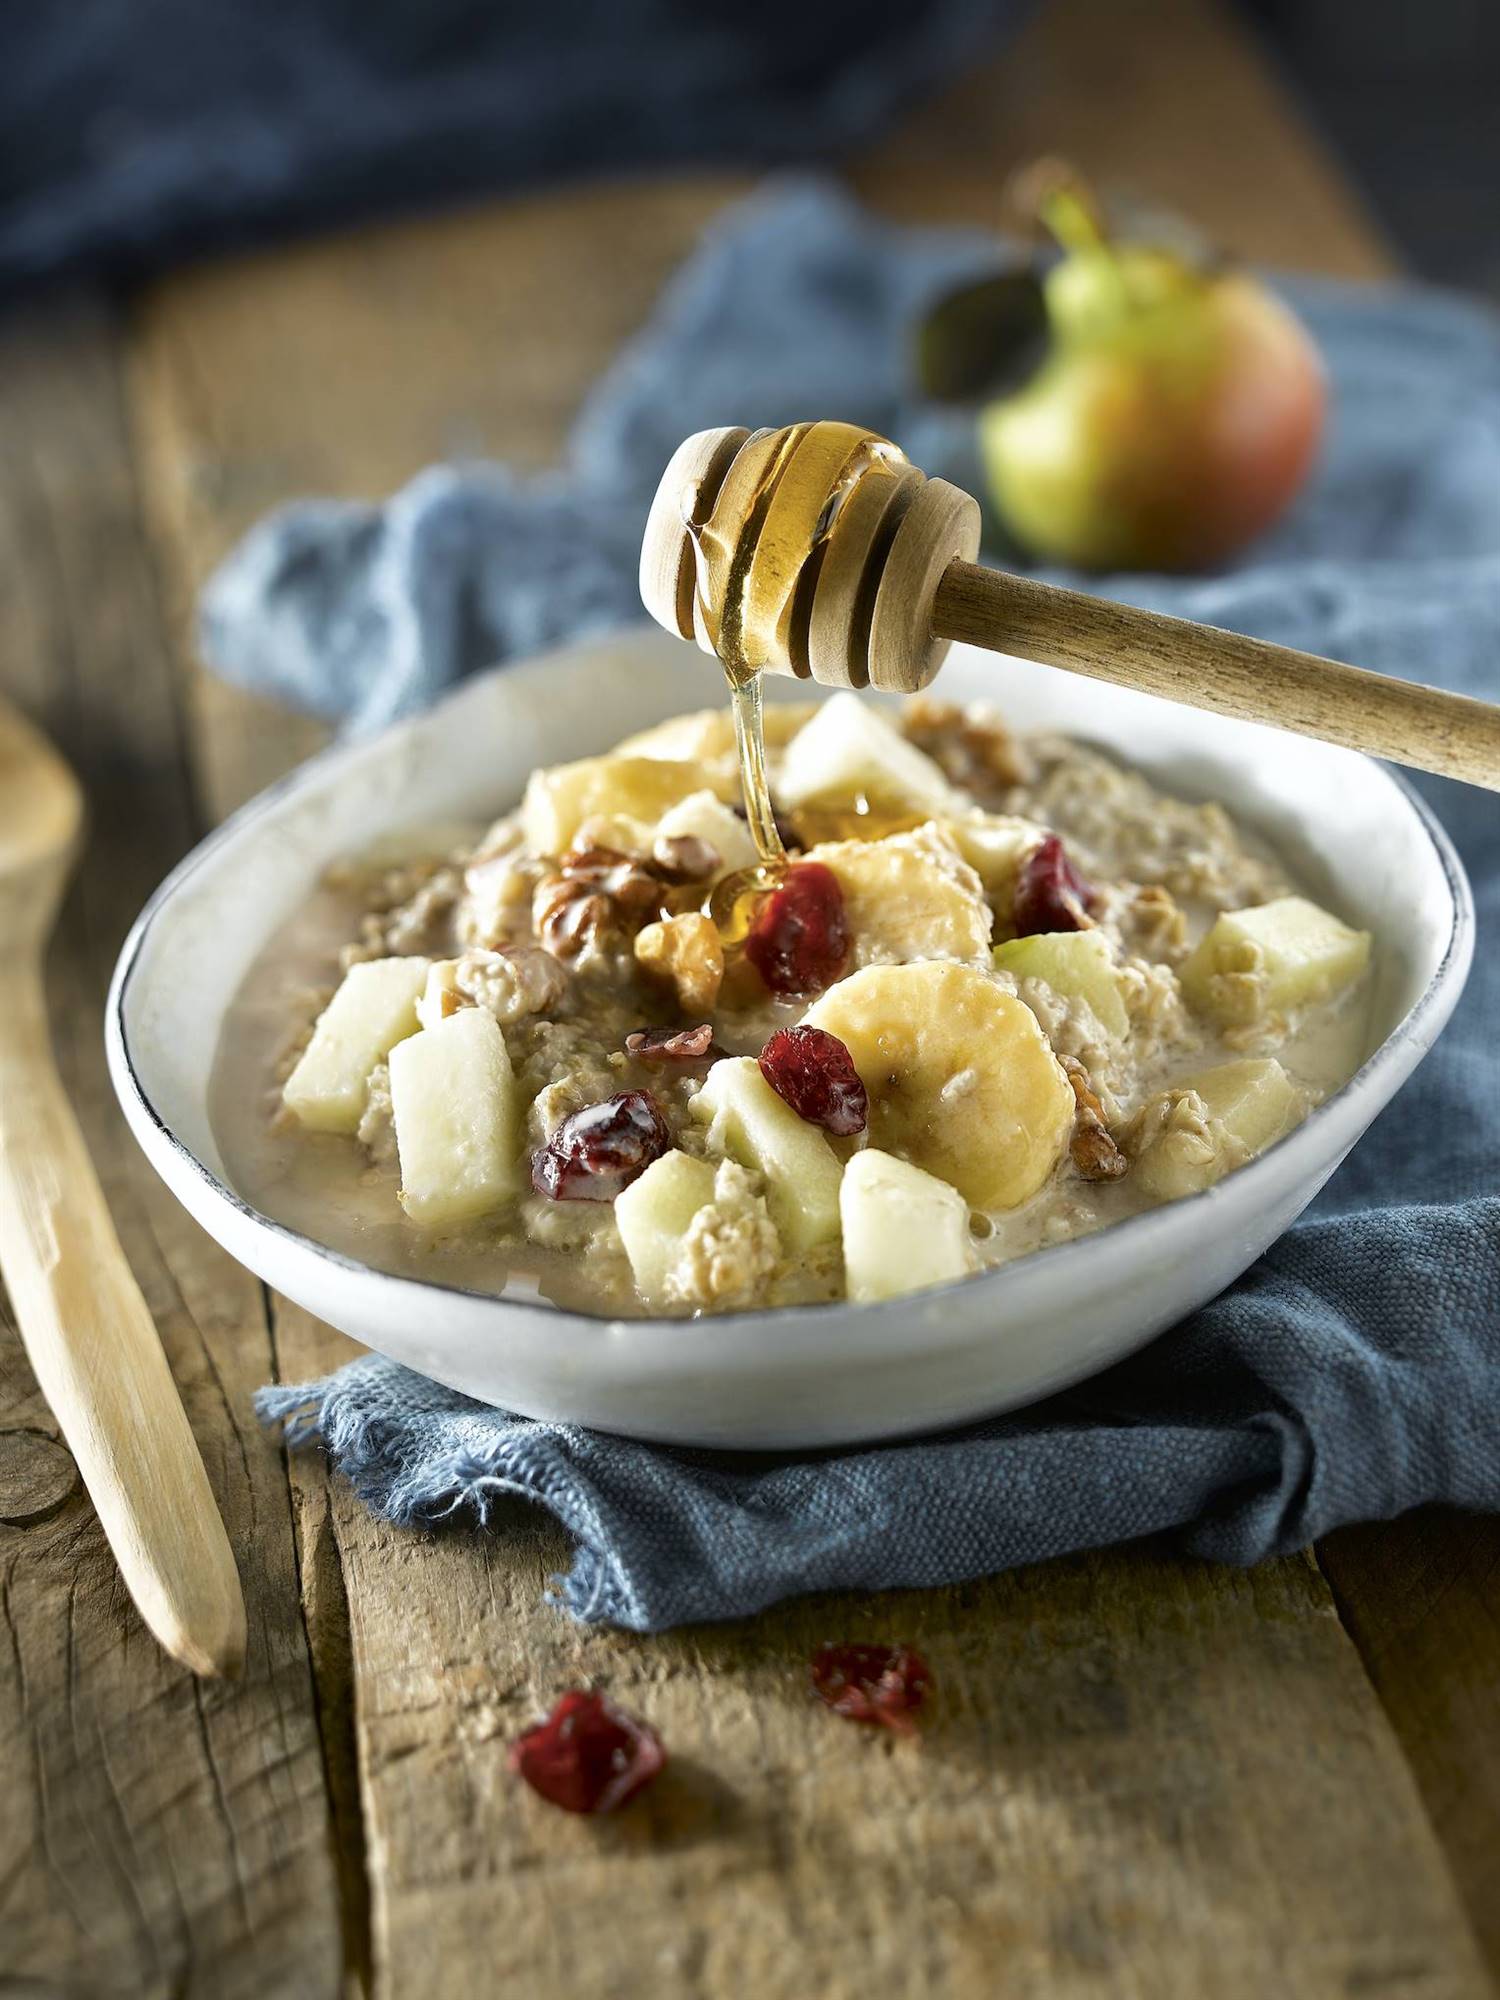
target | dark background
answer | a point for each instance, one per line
(136, 132)
(1407, 93)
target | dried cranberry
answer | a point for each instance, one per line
(815, 1074)
(800, 937)
(588, 1756)
(884, 1685)
(1051, 895)
(670, 1045)
(601, 1149)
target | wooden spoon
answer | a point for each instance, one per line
(885, 579)
(88, 1333)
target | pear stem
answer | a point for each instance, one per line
(1067, 211)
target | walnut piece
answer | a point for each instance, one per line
(971, 746)
(594, 893)
(1093, 1150)
(684, 953)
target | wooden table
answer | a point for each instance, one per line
(1148, 1777)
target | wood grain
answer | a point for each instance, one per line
(1421, 1597)
(344, 367)
(157, 1836)
(1452, 734)
(1144, 1777)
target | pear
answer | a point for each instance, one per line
(1176, 413)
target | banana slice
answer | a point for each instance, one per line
(558, 800)
(961, 1080)
(909, 896)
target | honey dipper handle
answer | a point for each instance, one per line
(94, 1349)
(1205, 667)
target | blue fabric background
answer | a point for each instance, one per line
(1355, 1371)
(132, 131)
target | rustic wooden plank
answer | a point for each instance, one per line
(157, 1835)
(343, 367)
(1093, 1848)
(1142, 1779)
(1421, 1597)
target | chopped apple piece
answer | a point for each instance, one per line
(560, 799)
(1248, 1105)
(653, 1213)
(749, 1123)
(1272, 959)
(704, 816)
(1077, 965)
(440, 995)
(457, 1113)
(374, 1008)
(995, 845)
(849, 752)
(903, 1229)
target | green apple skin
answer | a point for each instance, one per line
(1175, 417)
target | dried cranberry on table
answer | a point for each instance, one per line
(601, 1149)
(813, 1072)
(670, 1045)
(588, 1756)
(799, 940)
(881, 1685)
(1051, 895)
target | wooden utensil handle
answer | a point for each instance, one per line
(1224, 671)
(98, 1359)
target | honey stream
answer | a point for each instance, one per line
(723, 614)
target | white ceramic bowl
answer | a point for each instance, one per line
(814, 1375)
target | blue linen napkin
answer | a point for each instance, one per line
(1355, 1371)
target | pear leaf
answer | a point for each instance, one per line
(982, 339)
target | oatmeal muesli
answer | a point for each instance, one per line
(1004, 994)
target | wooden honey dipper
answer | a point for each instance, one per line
(817, 550)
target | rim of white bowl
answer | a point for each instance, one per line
(1424, 1019)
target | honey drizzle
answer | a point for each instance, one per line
(750, 740)
(735, 899)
